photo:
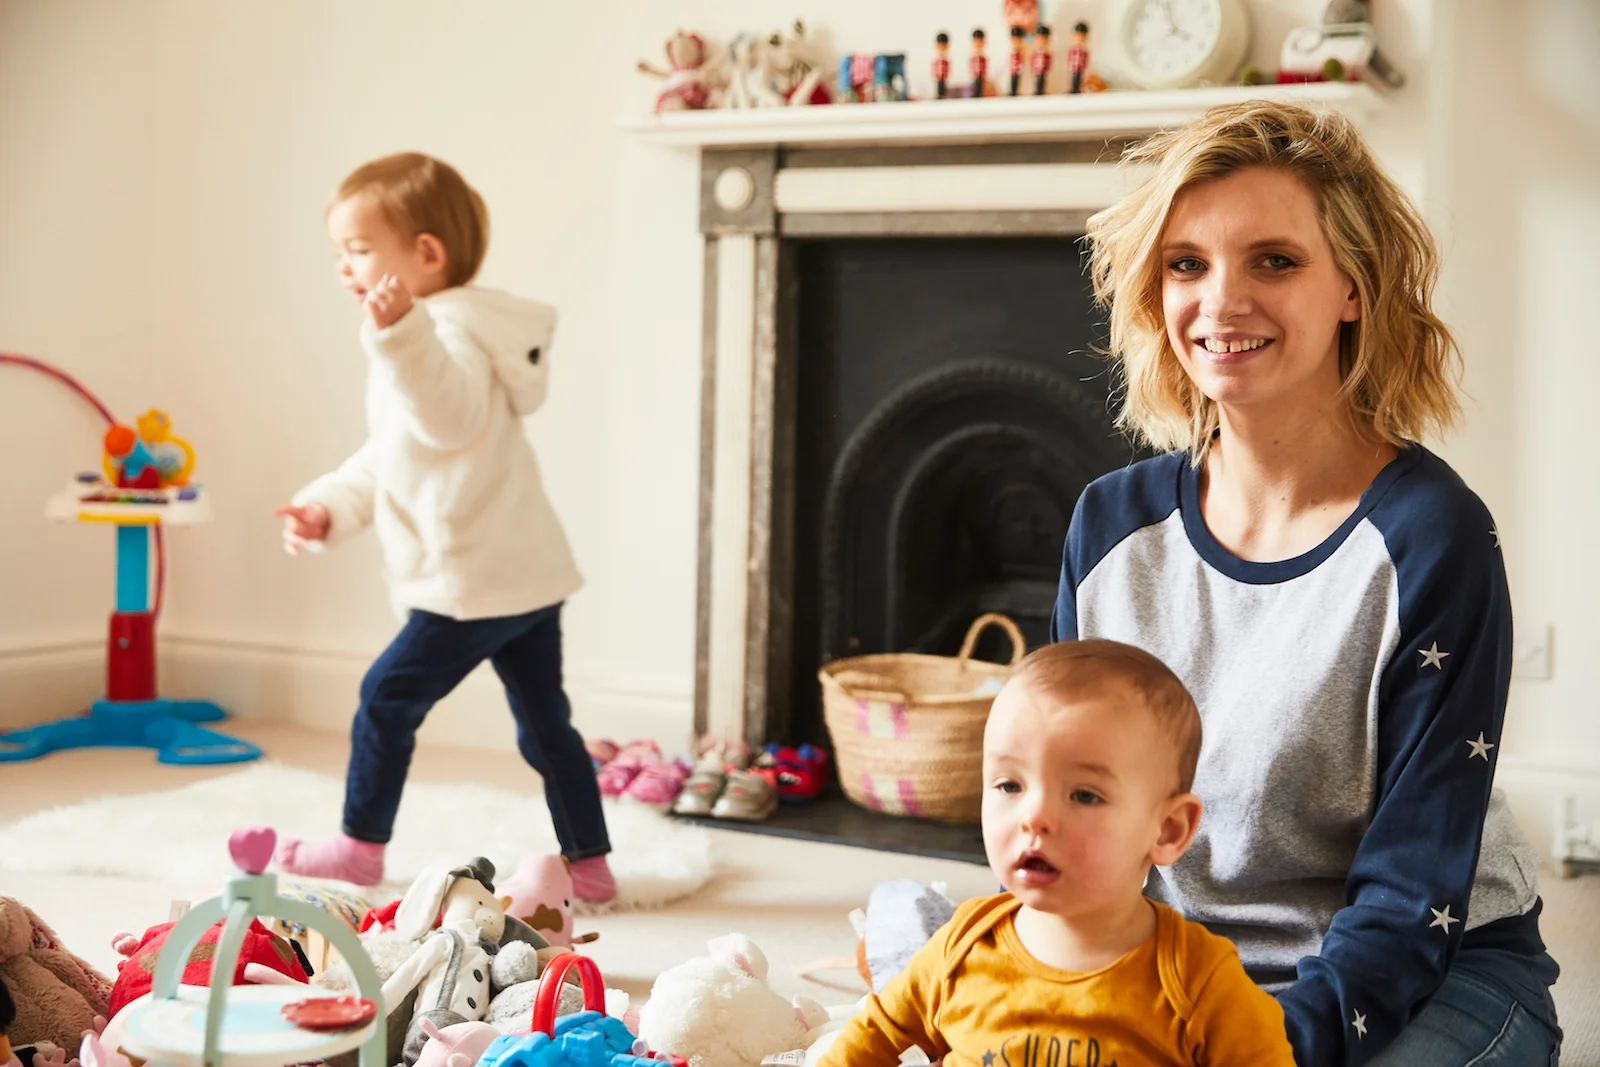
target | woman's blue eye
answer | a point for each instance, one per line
(1008, 787)
(1084, 796)
(1277, 262)
(1186, 265)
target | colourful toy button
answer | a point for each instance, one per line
(330, 1013)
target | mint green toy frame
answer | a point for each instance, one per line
(243, 899)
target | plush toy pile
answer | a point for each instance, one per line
(461, 962)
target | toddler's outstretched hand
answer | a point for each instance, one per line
(388, 302)
(302, 525)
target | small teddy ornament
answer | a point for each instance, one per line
(693, 77)
(776, 70)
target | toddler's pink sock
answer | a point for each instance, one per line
(342, 857)
(592, 881)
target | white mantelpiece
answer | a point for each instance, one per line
(995, 119)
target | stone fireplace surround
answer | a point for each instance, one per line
(1035, 166)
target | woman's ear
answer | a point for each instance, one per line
(1352, 305)
(431, 254)
(1180, 818)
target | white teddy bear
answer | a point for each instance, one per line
(718, 1011)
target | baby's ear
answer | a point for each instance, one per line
(1180, 818)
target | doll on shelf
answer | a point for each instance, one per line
(1078, 55)
(1018, 60)
(978, 66)
(1039, 63)
(941, 64)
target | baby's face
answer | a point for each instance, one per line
(1075, 795)
(367, 247)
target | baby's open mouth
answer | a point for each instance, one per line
(1034, 861)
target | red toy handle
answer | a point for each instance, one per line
(549, 992)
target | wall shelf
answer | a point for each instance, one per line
(1026, 118)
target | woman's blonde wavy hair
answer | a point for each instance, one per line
(1400, 365)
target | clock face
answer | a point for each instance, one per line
(1171, 38)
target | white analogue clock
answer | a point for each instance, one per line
(1174, 44)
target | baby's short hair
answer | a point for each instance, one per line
(420, 194)
(1067, 668)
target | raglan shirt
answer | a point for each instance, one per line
(1352, 701)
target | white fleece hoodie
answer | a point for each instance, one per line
(447, 476)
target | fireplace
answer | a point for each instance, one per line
(949, 410)
(900, 399)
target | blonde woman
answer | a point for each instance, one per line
(1329, 590)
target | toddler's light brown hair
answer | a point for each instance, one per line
(419, 194)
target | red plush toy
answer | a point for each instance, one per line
(262, 952)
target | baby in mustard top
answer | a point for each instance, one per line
(1088, 759)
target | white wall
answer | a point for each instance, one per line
(163, 168)
(1520, 225)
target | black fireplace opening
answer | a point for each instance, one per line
(950, 405)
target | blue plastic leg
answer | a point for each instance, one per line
(165, 725)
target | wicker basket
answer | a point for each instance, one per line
(907, 729)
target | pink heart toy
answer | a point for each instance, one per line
(252, 849)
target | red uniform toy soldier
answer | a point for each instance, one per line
(1078, 55)
(941, 63)
(1018, 43)
(1041, 59)
(978, 64)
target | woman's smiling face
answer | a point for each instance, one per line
(1252, 296)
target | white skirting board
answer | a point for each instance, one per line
(320, 690)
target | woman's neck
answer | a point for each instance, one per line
(1276, 484)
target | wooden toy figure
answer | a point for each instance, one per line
(941, 63)
(1078, 55)
(978, 66)
(1041, 59)
(1018, 43)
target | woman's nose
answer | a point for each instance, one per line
(1224, 294)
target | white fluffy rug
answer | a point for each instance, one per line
(182, 835)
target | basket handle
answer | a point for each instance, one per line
(1019, 644)
(864, 685)
(549, 991)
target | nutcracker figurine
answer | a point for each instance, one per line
(941, 63)
(1018, 43)
(978, 66)
(1078, 55)
(1041, 59)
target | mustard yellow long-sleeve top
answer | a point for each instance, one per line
(975, 996)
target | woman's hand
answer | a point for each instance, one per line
(302, 525)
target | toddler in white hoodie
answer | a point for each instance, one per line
(475, 557)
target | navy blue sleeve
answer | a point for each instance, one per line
(1442, 699)
(1064, 617)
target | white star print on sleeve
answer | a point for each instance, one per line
(1432, 657)
(1480, 747)
(1360, 1023)
(1442, 919)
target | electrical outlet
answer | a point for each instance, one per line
(1530, 654)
